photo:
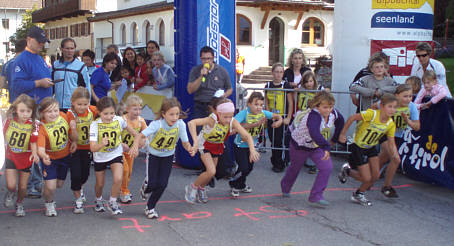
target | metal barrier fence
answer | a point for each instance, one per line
(279, 94)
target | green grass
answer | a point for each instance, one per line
(449, 65)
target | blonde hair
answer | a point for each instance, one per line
(80, 92)
(320, 97)
(158, 54)
(388, 98)
(28, 101)
(402, 88)
(376, 59)
(46, 103)
(415, 83)
(133, 100)
(305, 79)
(276, 65)
(295, 51)
(429, 74)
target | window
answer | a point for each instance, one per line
(5, 24)
(244, 30)
(123, 34)
(52, 33)
(162, 33)
(6, 47)
(313, 32)
(147, 32)
(135, 33)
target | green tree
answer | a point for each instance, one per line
(21, 32)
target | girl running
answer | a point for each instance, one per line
(310, 134)
(407, 115)
(363, 163)
(107, 148)
(21, 134)
(210, 143)
(163, 134)
(134, 120)
(57, 141)
(83, 114)
(253, 119)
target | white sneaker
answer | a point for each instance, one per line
(235, 192)
(50, 209)
(125, 198)
(114, 208)
(20, 212)
(151, 213)
(9, 199)
(82, 195)
(78, 209)
(142, 191)
(99, 206)
(246, 189)
(191, 194)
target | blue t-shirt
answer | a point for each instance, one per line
(28, 68)
(151, 131)
(101, 82)
(7, 72)
(414, 115)
(241, 117)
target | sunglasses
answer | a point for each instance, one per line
(423, 55)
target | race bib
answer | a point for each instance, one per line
(303, 99)
(399, 120)
(83, 128)
(251, 119)
(127, 138)
(58, 134)
(111, 131)
(165, 140)
(217, 134)
(19, 136)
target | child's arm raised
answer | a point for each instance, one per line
(277, 120)
(414, 124)
(192, 126)
(343, 133)
(254, 155)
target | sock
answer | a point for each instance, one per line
(201, 188)
(193, 186)
(99, 198)
(113, 199)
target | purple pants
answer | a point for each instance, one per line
(297, 159)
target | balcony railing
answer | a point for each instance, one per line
(66, 8)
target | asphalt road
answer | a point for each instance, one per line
(423, 215)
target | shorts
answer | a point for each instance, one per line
(58, 169)
(360, 156)
(9, 164)
(382, 139)
(399, 141)
(101, 166)
(204, 151)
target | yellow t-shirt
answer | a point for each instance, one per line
(370, 129)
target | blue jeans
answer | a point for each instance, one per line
(36, 178)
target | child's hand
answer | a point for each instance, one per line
(342, 138)
(72, 124)
(254, 156)
(192, 151)
(73, 147)
(133, 152)
(46, 160)
(34, 157)
(262, 121)
(404, 116)
(125, 147)
(287, 121)
(105, 141)
(326, 156)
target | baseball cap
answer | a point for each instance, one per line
(38, 34)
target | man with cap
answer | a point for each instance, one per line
(31, 73)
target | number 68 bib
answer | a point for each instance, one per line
(165, 140)
(19, 136)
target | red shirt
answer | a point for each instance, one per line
(141, 72)
(21, 160)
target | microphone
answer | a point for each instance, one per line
(205, 65)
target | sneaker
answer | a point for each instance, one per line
(235, 192)
(50, 209)
(389, 192)
(20, 212)
(78, 209)
(99, 206)
(321, 203)
(114, 208)
(202, 195)
(312, 170)
(191, 194)
(142, 191)
(125, 198)
(9, 199)
(343, 175)
(360, 198)
(151, 213)
(82, 195)
(246, 189)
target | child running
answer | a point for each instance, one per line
(364, 164)
(134, 120)
(163, 135)
(407, 115)
(107, 148)
(210, 143)
(253, 119)
(57, 141)
(83, 114)
(310, 132)
(21, 134)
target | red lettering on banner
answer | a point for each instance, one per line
(243, 213)
(198, 215)
(134, 225)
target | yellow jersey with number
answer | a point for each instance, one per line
(370, 130)
(138, 125)
(253, 118)
(165, 140)
(399, 120)
(18, 136)
(303, 100)
(54, 137)
(276, 99)
(112, 131)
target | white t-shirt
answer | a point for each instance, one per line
(106, 156)
(297, 78)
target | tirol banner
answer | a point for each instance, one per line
(428, 154)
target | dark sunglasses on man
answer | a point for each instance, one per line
(422, 55)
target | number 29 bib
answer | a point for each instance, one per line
(19, 136)
(58, 134)
(111, 131)
(165, 140)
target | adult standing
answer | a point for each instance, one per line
(115, 75)
(88, 57)
(72, 71)
(424, 62)
(31, 73)
(162, 73)
(129, 61)
(152, 47)
(8, 70)
(297, 67)
(100, 80)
